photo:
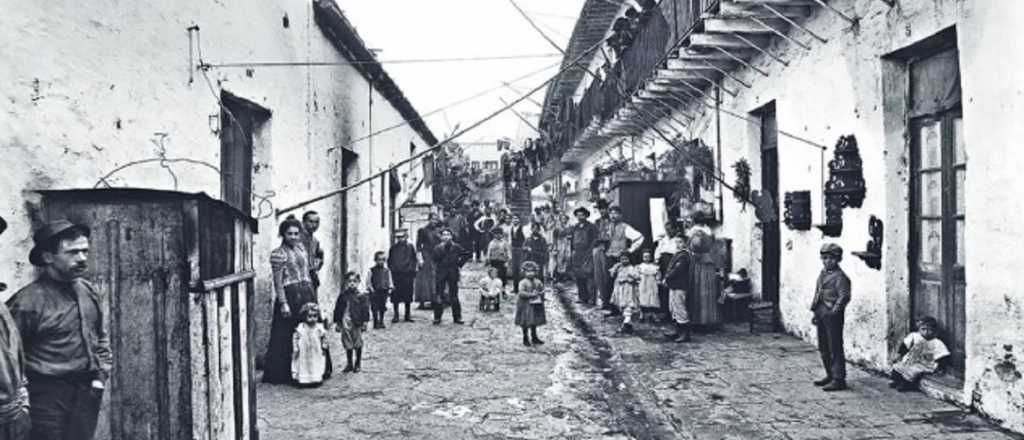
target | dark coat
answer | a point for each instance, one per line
(677, 276)
(402, 258)
(537, 249)
(583, 236)
(449, 258)
(832, 292)
(360, 305)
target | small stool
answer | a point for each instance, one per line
(762, 317)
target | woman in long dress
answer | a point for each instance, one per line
(292, 290)
(427, 238)
(704, 281)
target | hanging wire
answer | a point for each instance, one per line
(207, 66)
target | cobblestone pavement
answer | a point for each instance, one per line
(421, 381)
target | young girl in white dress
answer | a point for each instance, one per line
(647, 290)
(309, 348)
(624, 294)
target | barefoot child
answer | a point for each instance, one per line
(309, 348)
(624, 295)
(647, 290)
(921, 353)
(351, 312)
(530, 304)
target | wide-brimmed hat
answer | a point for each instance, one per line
(44, 236)
(585, 211)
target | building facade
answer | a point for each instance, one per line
(112, 96)
(926, 89)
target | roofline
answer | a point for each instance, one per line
(343, 36)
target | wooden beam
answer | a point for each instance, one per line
(694, 64)
(742, 25)
(725, 41)
(746, 10)
(676, 75)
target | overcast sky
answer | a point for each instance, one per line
(417, 29)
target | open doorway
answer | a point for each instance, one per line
(771, 248)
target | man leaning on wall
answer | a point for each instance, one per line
(67, 351)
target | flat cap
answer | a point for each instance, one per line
(832, 248)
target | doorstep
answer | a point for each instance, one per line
(944, 387)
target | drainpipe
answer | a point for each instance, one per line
(718, 152)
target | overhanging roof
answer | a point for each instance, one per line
(343, 37)
(595, 20)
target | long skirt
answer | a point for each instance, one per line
(529, 315)
(278, 366)
(703, 295)
(424, 285)
(516, 269)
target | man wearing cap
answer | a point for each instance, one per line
(14, 410)
(622, 240)
(448, 260)
(61, 320)
(402, 263)
(831, 295)
(581, 258)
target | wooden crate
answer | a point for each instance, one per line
(176, 273)
(762, 317)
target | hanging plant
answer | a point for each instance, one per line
(741, 189)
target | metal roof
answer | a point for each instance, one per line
(593, 24)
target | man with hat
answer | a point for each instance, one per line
(831, 295)
(402, 263)
(581, 258)
(602, 279)
(14, 415)
(67, 351)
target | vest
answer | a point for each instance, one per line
(617, 242)
(379, 278)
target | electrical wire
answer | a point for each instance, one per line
(442, 142)
(203, 65)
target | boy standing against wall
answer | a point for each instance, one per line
(831, 295)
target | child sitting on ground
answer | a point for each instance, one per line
(530, 304)
(738, 283)
(647, 290)
(351, 312)
(624, 295)
(921, 353)
(491, 289)
(309, 348)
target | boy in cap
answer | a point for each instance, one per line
(831, 295)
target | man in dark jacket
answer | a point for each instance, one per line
(831, 295)
(67, 350)
(448, 260)
(581, 259)
(14, 417)
(402, 262)
(677, 280)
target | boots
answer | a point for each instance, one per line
(835, 385)
(408, 317)
(394, 316)
(526, 337)
(359, 360)
(533, 337)
(684, 333)
(348, 365)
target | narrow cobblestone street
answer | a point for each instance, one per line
(426, 382)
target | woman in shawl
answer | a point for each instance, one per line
(292, 290)
(704, 280)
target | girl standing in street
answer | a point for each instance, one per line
(647, 291)
(530, 304)
(498, 254)
(624, 295)
(292, 289)
(351, 312)
(309, 348)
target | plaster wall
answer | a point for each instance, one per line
(844, 86)
(89, 85)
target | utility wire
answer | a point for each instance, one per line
(437, 145)
(203, 65)
(448, 106)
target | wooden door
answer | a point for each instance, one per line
(771, 248)
(939, 172)
(937, 228)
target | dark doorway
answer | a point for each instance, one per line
(937, 222)
(771, 249)
(239, 120)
